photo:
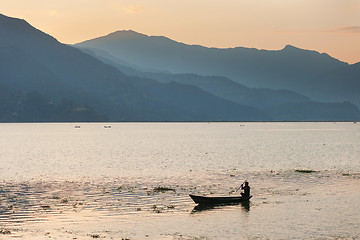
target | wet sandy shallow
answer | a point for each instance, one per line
(286, 205)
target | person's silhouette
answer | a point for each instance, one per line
(246, 189)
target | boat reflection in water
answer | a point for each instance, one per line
(205, 207)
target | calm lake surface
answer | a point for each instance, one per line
(62, 182)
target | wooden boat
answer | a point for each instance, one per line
(218, 200)
(210, 206)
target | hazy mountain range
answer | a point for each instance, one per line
(310, 73)
(42, 79)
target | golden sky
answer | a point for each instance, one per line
(331, 26)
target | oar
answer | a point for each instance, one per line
(240, 186)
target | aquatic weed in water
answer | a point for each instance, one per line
(4, 231)
(305, 171)
(95, 235)
(163, 189)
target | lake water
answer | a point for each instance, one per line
(62, 182)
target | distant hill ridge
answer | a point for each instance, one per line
(32, 61)
(132, 35)
(51, 81)
(304, 71)
(280, 104)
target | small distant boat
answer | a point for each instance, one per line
(218, 200)
(107, 126)
(77, 126)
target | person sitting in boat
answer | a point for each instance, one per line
(246, 189)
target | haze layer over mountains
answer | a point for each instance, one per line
(127, 76)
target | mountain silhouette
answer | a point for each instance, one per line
(279, 104)
(307, 72)
(42, 79)
(34, 62)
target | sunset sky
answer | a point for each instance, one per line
(331, 26)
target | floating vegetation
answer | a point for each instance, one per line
(4, 231)
(45, 207)
(95, 235)
(353, 175)
(185, 237)
(163, 189)
(305, 171)
(64, 200)
(156, 209)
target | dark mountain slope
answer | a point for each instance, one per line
(315, 111)
(64, 62)
(342, 84)
(207, 106)
(249, 66)
(279, 104)
(34, 61)
(17, 106)
(232, 91)
(303, 71)
(219, 86)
